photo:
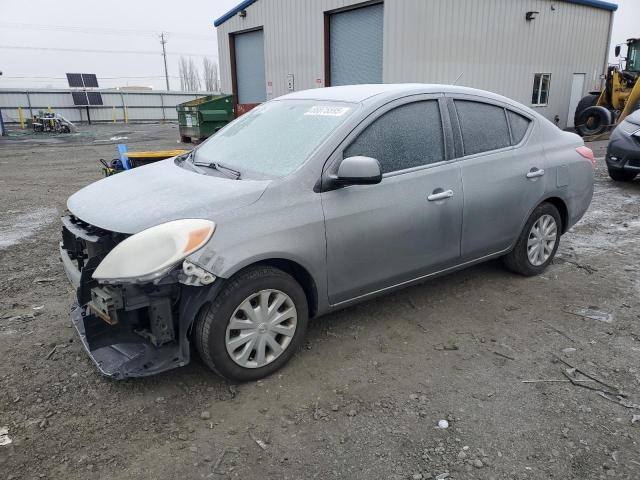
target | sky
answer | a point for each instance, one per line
(119, 40)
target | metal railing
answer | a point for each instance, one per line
(18, 105)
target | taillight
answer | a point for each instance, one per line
(587, 153)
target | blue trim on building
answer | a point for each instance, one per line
(612, 7)
(233, 11)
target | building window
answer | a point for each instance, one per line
(541, 83)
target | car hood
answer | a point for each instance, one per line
(143, 197)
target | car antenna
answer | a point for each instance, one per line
(456, 80)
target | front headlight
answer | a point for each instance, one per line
(152, 253)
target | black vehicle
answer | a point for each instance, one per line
(623, 152)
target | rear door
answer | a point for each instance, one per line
(501, 173)
(406, 226)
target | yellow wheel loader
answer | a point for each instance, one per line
(599, 112)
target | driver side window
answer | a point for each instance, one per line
(408, 136)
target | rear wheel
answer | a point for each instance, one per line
(254, 326)
(538, 242)
(620, 175)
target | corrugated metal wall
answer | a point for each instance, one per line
(141, 106)
(433, 41)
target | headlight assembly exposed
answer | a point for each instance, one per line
(152, 253)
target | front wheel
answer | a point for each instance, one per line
(538, 242)
(254, 326)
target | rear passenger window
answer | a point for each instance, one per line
(519, 126)
(407, 136)
(484, 126)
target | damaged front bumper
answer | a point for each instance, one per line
(129, 330)
(118, 352)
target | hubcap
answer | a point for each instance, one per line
(261, 328)
(542, 240)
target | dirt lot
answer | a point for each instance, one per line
(364, 398)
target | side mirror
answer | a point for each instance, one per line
(617, 51)
(359, 171)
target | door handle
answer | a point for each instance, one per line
(535, 172)
(440, 195)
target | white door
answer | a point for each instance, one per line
(577, 86)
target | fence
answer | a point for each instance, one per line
(118, 105)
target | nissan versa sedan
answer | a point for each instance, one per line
(623, 151)
(309, 203)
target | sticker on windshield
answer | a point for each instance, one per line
(327, 111)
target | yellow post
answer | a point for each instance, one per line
(126, 115)
(113, 114)
(21, 116)
(49, 108)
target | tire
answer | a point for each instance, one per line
(584, 103)
(518, 259)
(619, 175)
(593, 121)
(212, 335)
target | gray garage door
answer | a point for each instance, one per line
(355, 46)
(250, 75)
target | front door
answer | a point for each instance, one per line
(502, 175)
(406, 226)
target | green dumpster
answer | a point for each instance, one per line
(202, 117)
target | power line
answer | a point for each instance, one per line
(99, 30)
(88, 50)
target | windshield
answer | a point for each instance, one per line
(274, 138)
(633, 57)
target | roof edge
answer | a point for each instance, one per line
(612, 7)
(233, 11)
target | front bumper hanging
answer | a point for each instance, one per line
(128, 330)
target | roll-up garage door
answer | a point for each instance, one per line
(355, 45)
(250, 76)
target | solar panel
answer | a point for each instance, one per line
(80, 98)
(95, 98)
(75, 80)
(82, 80)
(90, 80)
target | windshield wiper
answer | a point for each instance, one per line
(220, 167)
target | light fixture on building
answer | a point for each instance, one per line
(242, 13)
(531, 16)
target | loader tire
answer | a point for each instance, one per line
(584, 103)
(593, 121)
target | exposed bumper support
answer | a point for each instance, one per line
(120, 354)
(70, 268)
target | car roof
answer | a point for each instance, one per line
(364, 93)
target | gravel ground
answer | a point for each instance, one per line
(364, 397)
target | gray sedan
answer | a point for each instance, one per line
(310, 203)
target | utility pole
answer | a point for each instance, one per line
(163, 42)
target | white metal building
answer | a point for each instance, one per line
(544, 53)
